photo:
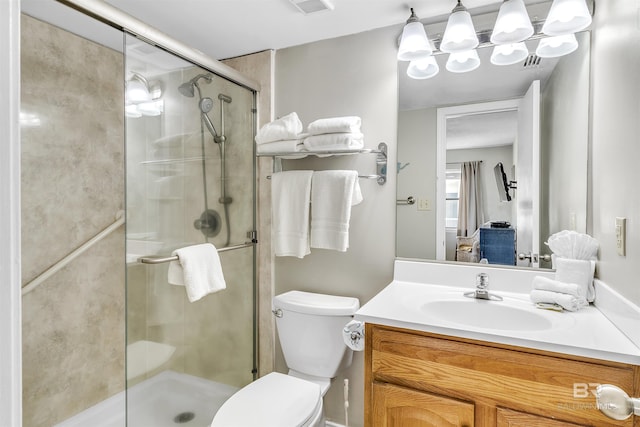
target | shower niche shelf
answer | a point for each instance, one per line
(381, 159)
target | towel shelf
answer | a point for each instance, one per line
(162, 260)
(381, 159)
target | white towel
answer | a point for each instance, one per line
(285, 146)
(334, 142)
(547, 284)
(287, 127)
(290, 197)
(577, 271)
(566, 301)
(198, 269)
(346, 124)
(333, 192)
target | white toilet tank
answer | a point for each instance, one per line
(310, 330)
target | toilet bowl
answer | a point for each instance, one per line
(310, 330)
(275, 400)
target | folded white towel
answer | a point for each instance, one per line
(577, 271)
(566, 301)
(198, 269)
(284, 146)
(290, 197)
(346, 124)
(286, 127)
(334, 142)
(333, 192)
(547, 284)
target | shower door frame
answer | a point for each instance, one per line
(116, 18)
(10, 271)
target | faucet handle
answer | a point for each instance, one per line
(482, 281)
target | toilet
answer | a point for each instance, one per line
(310, 329)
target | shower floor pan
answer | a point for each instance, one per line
(169, 399)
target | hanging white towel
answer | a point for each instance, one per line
(198, 269)
(287, 127)
(334, 142)
(346, 124)
(333, 192)
(290, 197)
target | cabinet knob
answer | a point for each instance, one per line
(615, 403)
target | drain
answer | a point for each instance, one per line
(184, 417)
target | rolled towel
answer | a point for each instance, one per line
(286, 127)
(577, 271)
(334, 142)
(547, 284)
(566, 301)
(346, 124)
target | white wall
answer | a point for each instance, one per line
(416, 237)
(564, 143)
(352, 75)
(616, 151)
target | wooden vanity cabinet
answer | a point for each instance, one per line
(416, 379)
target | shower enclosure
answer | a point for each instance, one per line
(122, 131)
(190, 180)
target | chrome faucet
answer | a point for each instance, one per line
(481, 292)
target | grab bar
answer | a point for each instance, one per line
(408, 201)
(161, 260)
(72, 255)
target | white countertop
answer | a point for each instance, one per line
(586, 332)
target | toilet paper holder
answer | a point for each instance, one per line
(353, 334)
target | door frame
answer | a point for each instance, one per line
(442, 114)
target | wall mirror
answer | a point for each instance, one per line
(480, 119)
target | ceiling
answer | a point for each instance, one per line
(229, 28)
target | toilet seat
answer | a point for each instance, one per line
(275, 400)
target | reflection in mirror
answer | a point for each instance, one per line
(485, 116)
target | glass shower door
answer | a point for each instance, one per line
(189, 180)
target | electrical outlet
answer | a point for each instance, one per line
(424, 205)
(572, 221)
(621, 235)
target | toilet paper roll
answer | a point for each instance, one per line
(353, 335)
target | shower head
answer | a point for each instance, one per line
(188, 88)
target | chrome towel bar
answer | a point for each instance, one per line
(161, 260)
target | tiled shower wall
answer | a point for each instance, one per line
(72, 188)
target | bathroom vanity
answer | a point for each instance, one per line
(436, 358)
(414, 378)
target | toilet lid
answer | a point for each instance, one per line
(275, 400)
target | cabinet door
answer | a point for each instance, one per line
(509, 418)
(395, 406)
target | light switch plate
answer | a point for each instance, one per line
(424, 205)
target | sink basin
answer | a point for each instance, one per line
(500, 315)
